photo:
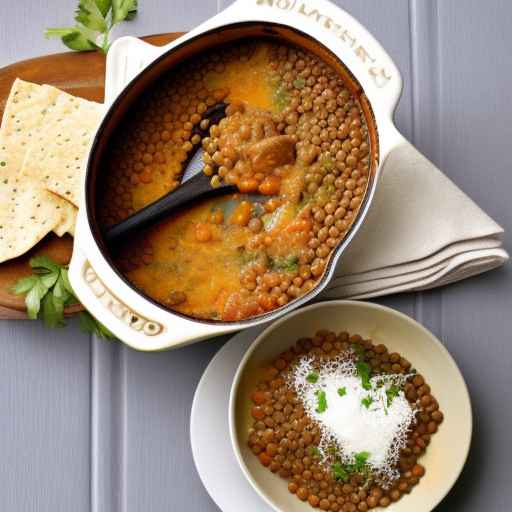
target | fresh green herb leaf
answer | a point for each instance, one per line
(367, 401)
(48, 291)
(90, 325)
(49, 279)
(321, 401)
(94, 21)
(360, 461)
(339, 472)
(90, 16)
(59, 32)
(52, 316)
(44, 264)
(299, 83)
(289, 264)
(312, 377)
(364, 371)
(342, 391)
(33, 299)
(123, 10)
(104, 6)
(358, 349)
(24, 285)
(391, 394)
(60, 291)
(65, 281)
(73, 37)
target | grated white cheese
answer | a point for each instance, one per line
(380, 429)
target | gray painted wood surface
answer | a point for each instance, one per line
(87, 425)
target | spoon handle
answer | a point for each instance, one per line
(197, 187)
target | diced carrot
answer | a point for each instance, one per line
(270, 186)
(241, 214)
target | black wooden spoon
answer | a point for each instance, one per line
(196, 188)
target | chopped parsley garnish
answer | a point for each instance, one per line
(339, 472)
(312, 377)
(367, 401)
(289, 264)
(342, 391)
(364, 371)
(391, 394)
(321, 401)
(358, 349)
(360, 461)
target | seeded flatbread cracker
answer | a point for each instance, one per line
(67, 224)
(27, 211)
(58, 148)
(57, 154)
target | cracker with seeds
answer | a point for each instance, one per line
(57, 154)
(27, 211)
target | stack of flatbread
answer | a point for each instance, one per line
(44, 139)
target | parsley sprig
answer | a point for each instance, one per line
(341, 472)
(321, 401)
(367, 401)
(342, 391)
(364, 371)
(94, 21)
(312, 377)
(48, 291)
(391, 393)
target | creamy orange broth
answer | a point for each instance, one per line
(206, 272)
(247, 80)
(234, 257)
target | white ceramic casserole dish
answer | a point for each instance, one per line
(132, 66)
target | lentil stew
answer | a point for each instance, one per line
(336, 464)
(296, 144)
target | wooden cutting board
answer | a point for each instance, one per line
(80, 74)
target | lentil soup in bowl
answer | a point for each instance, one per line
(306, 130)
(349, 406)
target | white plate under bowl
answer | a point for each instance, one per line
(448, 450)
(209, 431)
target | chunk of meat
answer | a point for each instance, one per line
(271, 152)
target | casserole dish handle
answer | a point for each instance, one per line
(138, 325)
(322, 20)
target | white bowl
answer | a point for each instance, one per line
(448, 450)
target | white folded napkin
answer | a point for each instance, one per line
(422, 231)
